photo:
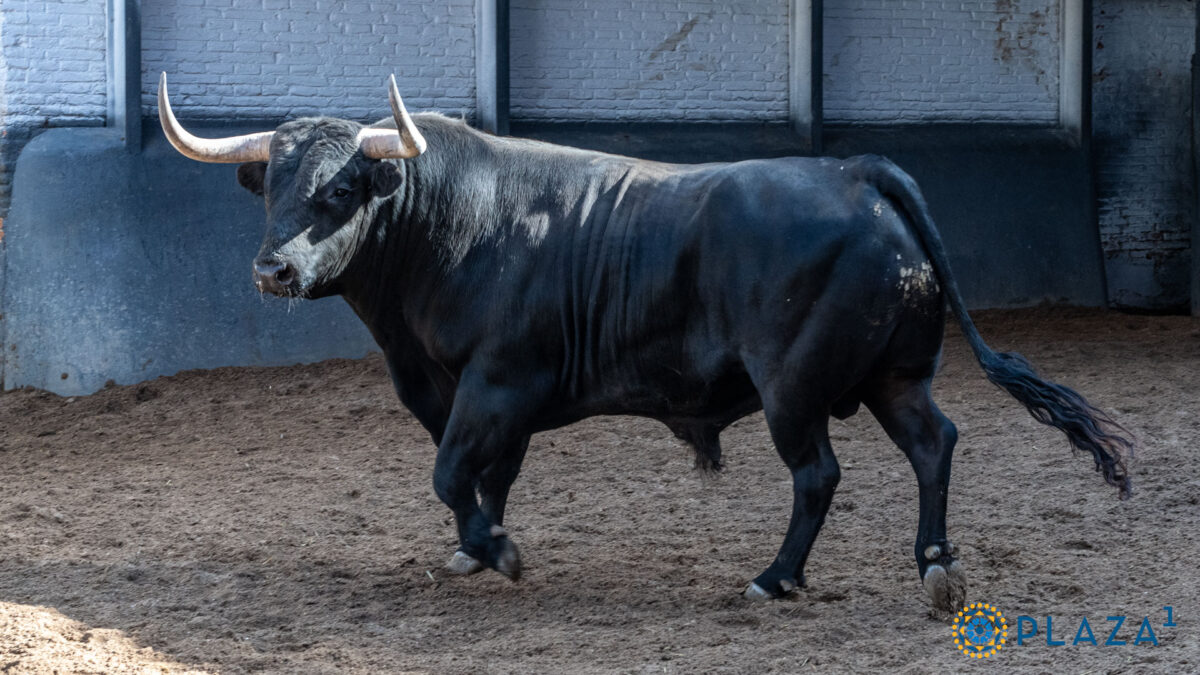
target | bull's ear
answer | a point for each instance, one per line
(252, 176)
(385, 179)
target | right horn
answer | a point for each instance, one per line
(231, 150)
(403, 143)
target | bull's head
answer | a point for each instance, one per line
(321, 178)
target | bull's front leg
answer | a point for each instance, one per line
(494, 483)
(482, 447)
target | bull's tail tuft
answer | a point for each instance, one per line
(1087, 427)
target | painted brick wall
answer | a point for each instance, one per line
(51, 73)
(1142, 138)
(271, 59)
(649, 60)
(898, 61)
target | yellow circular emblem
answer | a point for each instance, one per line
(980, 630)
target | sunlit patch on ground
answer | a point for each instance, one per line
(41, 640)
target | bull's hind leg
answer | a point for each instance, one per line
(927, 437)
(801, 437)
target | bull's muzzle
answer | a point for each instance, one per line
(273, 276)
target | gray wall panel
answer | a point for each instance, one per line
(127, 267)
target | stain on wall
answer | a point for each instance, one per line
(1145, 181)
(649, 60)
(916, 61)
(1021, 39)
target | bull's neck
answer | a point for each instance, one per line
(405, 276)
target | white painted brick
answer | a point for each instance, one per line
(303, 57)
(616, 60)
(51, 72)
(913, 61)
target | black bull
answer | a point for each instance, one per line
(516, 287)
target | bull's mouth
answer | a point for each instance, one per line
(293, 290)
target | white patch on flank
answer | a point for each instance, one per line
(536, 227)
(917, 282)
(877, 209)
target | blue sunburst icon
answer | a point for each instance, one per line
(980, 630)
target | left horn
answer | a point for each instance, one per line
(403, 143)
(231, 150)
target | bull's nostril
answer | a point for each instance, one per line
(267, 268)
(273, 276)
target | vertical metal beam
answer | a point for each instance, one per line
(491, 64)
(805, 70)
(1075, 78)
(1195, 278)
(123, 68)
(1075, 105)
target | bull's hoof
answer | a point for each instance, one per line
(463, 564)
(756, 592)
(503, 553)
(946, 585)
(781, 589)
(508, 562)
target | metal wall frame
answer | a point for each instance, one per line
(805, 42)
(1195, 271)
(123, 70)
(805, 69)
(491, 65)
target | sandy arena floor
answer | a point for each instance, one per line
(283, 520)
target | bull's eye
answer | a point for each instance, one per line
(340, 192)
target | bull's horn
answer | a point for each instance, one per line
(231, 150)
(388, 144)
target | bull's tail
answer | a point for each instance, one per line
(1086, 427)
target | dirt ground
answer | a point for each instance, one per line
(283, 520)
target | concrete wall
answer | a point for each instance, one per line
(1145, 181)
(51, 73)
(661, 60)
(273, 59)
(908, 61)
(129, 266)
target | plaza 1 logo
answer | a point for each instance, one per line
(1027, 629)
(980, 630)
